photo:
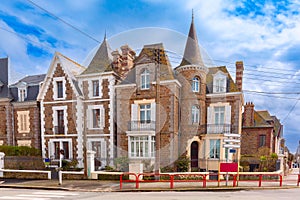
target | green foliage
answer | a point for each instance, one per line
(122, 164)
(182, 164)
(20, 151)
(167, 169)
(70, 165)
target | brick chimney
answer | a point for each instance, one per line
(123, 62)
(239, 74)
(248, 115)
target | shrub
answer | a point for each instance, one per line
(20, 151)
(182, 164)
(122, 164)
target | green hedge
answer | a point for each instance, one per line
(20, 151)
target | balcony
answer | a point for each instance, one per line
(59, 130)
(218, 128)
(146, 125)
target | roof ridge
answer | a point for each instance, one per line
(69, 59)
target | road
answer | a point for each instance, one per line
(24, 194)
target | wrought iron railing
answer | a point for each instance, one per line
(218, 128)
(59, 129)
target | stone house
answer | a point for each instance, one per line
(61, 118)
(20, 110)
(260, 129)
(163, 113)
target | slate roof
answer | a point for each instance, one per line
(147, 55)
(33, 85)
(4, 91)
(192, 53)
(102, 61)
(231, 86)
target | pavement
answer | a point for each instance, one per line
(289, 181)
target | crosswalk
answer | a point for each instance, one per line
(41, 195)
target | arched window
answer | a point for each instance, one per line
(145, 79)
(195, 114)
(196, 84)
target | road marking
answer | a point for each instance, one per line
(57, 193)
(22, 198)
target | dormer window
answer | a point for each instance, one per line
(22, 91)
(219, 84)
(196, 84)
(145, 79)
(22, 94)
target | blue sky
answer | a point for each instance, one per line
(263, 34)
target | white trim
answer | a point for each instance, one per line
(221, 88)
(224, 94)
(51, 149)
(62, 136)
(54, 117)
(82, 76)
(111, 114)
(103, 148)
(59, 102)
(79, 127)
(91, 88)
(127, 85)
(140, 133)
(167, 82)
(43, 145)
(98, 135)
(55, 80)
(90, 117)
(95, 100)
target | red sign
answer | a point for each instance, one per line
(229, 167)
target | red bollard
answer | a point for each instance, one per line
(234, 180)
(280, 180)
(171, 181)
(121, 181)
(260, 179)
(204, 181)
(298, 180)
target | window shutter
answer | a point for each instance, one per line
(228, 114)
(153, 111)
(134, 112)
(210, 115)
(102, 117)
(210, 119)
(90, 118)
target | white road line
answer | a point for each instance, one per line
(22, 198)
(57, 193)
(39, 195)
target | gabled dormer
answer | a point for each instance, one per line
(219, 82)
(22, 91)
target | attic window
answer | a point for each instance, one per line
(145, 79)
(22, 94)
(219, 82)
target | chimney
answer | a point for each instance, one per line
(116, 60)
(248, 115)
(239, 75)
(128, 55)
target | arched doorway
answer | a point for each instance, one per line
(194, 154)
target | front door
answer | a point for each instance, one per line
(194, 154)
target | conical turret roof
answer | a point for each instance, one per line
(192, 55)
(102, 60)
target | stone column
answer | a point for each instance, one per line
(1, 163)
(90, 163)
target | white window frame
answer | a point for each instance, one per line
(55, 119)
(211, 117)
(216, 149)
(91, 88)
(55, 94)
(22, 93)
(103, 149)
(195, 114)
(90, 117)
(219, 82)
(23, 121)
(145, 79)
(135, 145)
(51, 147)
(196, 84)
(219, 115)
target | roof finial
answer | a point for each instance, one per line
(105, 34)
(192, 15)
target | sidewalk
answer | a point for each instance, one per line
(289, 181)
